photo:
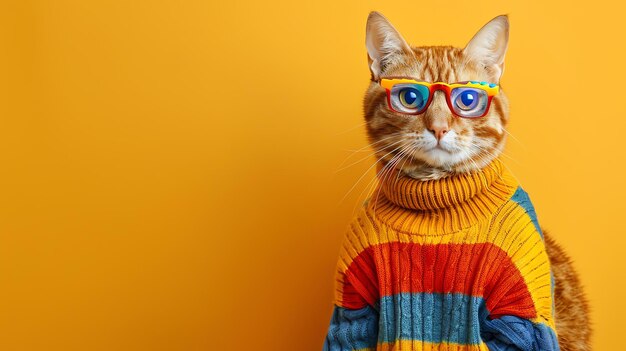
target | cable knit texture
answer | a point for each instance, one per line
(457, 263)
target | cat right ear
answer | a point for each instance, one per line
(488, 46)
(384, 44)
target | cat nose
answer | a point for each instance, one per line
(439, 131)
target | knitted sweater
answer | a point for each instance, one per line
(457, 263)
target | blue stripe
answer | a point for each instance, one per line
(435, 318)
(431, 317)
(458, 318)
(351, 329)
(521, 197)
(513, 333)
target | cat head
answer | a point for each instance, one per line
(435, 143)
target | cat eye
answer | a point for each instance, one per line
(470, 99)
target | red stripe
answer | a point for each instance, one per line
(482, 270)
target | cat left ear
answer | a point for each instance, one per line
(385, 45)
(488, 46)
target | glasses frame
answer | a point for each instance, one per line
(491, 89)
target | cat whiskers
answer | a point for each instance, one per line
(372, 183)
(376, 151)
(392, 165)
(491, 154)
(352, 128)
(487, 151)
(512, 136)
(415, 147)
(365, 173)
(372, 145)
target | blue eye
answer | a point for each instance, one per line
(411, 98)
(467, 100)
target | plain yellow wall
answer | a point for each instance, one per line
(169, 169)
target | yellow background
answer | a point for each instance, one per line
(169, 169)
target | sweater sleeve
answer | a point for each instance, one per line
(354, 320)
(520, 313)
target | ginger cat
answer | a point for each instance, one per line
(441, 144)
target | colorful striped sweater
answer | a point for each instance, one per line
(455, 264)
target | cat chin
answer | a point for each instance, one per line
(440, 158)
(437, 163)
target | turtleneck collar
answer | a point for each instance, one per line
(442, 205)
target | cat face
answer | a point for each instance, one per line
(435, 143)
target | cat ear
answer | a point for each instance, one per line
(384, 44)
(489, 45)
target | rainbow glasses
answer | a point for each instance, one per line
(468, 99)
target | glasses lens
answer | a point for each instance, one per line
(409, 98)
(469, 102)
